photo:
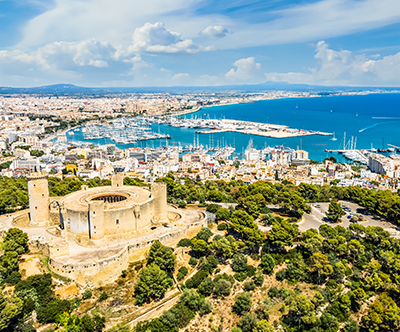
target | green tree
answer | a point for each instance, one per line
(200, 247)
(335, 211)
(152, 284)
(248, 323)
(222, 288)
(267, 263)
(87, 294)
(302, 311)
(264, 326)
(162, 256)
(383, 315)
(282, 234)
(222, 214)
(206, 287)
(225, 247)
(10, 309)
(204, 234)
(242, 303)
(351, 326)
(239, 263)
(16, 240)
(320, 264)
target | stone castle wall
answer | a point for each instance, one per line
(105, 271)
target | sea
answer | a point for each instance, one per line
(371, 120)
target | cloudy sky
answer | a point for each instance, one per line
(199, 42)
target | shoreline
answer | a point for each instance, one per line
(287, 97)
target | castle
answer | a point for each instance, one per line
(91, 235)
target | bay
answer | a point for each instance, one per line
(372, 120)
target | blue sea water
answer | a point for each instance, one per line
(373, 119)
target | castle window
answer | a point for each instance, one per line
(117, 221)
(35, 207)
(94, 227)
(42, 195)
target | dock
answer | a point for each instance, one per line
(258, 129)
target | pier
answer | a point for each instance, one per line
(258, 129)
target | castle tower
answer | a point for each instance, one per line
(117, 180)
(96, 220)
(159, 194)
(38, 190)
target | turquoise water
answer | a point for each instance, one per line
(373, 119)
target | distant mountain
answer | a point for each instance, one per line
(73, 90)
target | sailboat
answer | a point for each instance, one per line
(333, 138)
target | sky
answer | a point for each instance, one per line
(126, 43)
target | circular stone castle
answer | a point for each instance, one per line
(92, 234)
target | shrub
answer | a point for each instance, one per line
(242, 303)
(241, 276)
(195, 281)
(182, 272)
(222, 214)
(192, 261)
(222, 226)
(184, 243)
(248, 323)
(14, 278)
(249, 286)
(267, 263)
(273, 292)
(222, 288)
(213, 208)
(206, 287)
(204, 234)
(103, 297)
(280, 275)
(250, 271)
(87, 294)
(205, 308)
(259, 280)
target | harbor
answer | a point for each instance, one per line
(125, 131)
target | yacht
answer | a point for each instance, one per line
(333, 138)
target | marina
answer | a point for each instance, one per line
(125, 131)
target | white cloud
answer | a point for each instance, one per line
(85, 53)
(215, 31)
(114, 21)
(344, 68)
(155, 38)
(64, 54)
(247, 71)
(180, 76)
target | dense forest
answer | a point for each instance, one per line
(340, 279)
(255, 197)
(34, 294)
(328, 279)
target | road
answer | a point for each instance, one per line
(317, 217)
(318, 211)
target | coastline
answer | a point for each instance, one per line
(364, 93)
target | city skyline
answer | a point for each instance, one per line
(199, 43)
